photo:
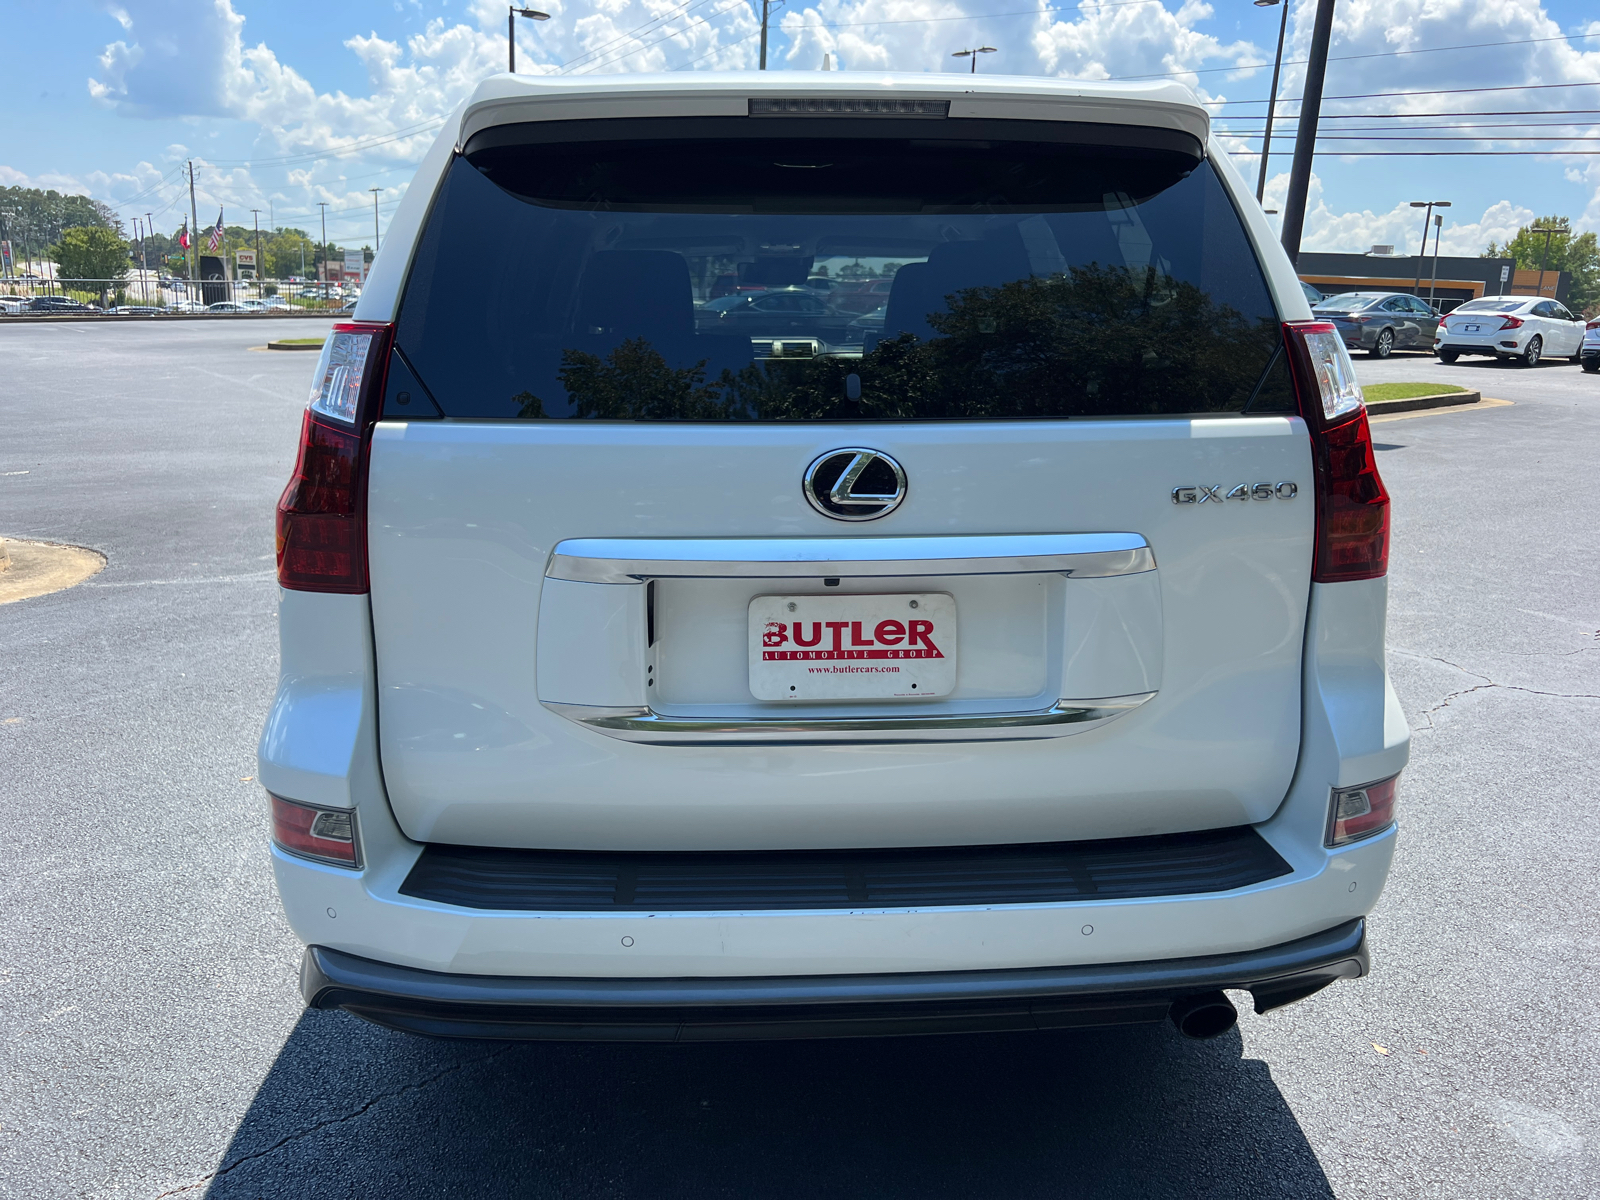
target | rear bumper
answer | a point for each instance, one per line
(439, 1004)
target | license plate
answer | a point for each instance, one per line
(1469, 329)
(852, 647)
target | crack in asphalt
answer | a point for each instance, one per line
(339, 1120)
(1487, 685)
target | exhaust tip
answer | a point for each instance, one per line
(1204, 1015)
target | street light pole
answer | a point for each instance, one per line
(323, 204)
(1272, 97)
(1438, 231)
(1422, 251)
(512, 13)
(1544, 258)
(1305, 145)
(255, 214)
(973, 55)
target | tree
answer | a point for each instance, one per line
(287, 252)
(35, 218)
(1578, 255)
(90, 254)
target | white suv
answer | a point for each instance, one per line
(1018, 663)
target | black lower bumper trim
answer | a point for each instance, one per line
(440, 1004)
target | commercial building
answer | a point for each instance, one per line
(1459, 279)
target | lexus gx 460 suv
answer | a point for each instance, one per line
(671, 652)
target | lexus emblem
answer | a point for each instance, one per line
(855, 484)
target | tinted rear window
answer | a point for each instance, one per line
(747, 270)
(1491, 306)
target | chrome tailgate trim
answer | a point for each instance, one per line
(633, 560)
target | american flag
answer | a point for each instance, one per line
(215, 239)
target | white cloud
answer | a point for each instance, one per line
(1400, 226)
(192, 59)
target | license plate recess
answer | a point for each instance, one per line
(853, 647)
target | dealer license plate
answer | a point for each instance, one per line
(852, 647)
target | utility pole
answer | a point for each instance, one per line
(374, 192)
(192, 253)
(324, 206)
(1272, 96)
(766, 16)
(1543, 258)
(1422, 250)
(1294, 208)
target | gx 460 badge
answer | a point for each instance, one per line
(1200, 493)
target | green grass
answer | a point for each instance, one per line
(312, 342)
(1406, 391)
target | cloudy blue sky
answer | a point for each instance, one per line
(283, 103)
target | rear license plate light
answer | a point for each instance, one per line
(1361, 812)
(326, 835)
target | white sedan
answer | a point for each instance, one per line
(1509, 327)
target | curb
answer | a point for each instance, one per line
(1440, 400)
(294, 346)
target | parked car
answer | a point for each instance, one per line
(860, 295)
(1313, 296)
(1589, 356)
(1379, 322)
(1511, 328)
(228, 306)
(634, 685)
(59, 304)
(134, 310)
(13, 304)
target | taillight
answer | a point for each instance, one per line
(322, 515)
(1356, 813)
(1511, 323)
(1595, 324)
(325, 834)
(1352, 505)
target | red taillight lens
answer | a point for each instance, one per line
(325, 834)
(321, 533)
(1355, 813)
(1593, 325)
(1511, 323)
(322, 515)
(1352, 505)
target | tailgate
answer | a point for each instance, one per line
(563, 623)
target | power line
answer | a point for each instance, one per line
(1517, 87)
(1297, 62)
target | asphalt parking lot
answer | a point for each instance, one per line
(153, 1039)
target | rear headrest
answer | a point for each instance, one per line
(921, 288)
(636, 293)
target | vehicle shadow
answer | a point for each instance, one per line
(352, 1110)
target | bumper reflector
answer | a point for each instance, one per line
(325, 834)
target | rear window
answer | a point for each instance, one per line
(1491, 306)
(749, 269)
